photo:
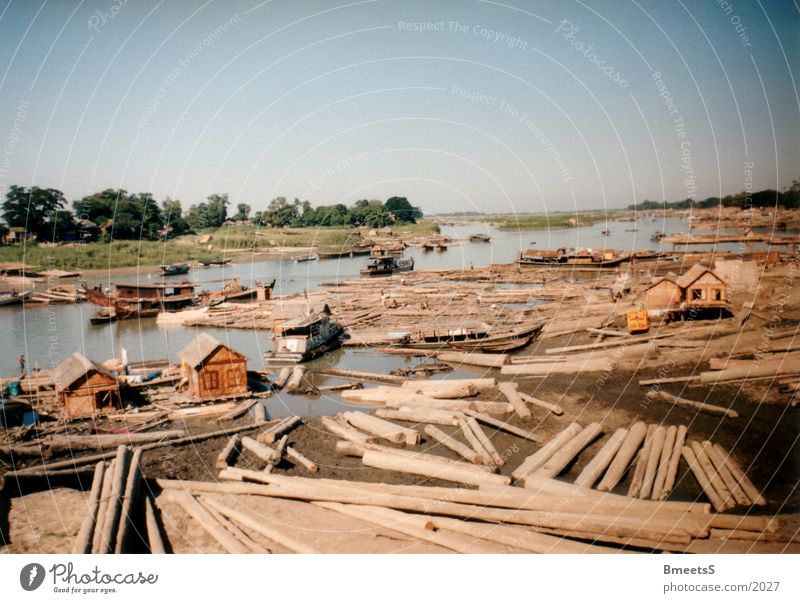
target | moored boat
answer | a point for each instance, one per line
(480, 238)
(501, 342)
(218, 262)
(303, 339)
(387, 266)
(308, 257)
(576, 259)
(172, 269)
(11, 298)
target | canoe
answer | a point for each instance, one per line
(499, 343)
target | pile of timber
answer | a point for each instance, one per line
(275, 433)
(486, 520)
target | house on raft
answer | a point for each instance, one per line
(85, 388)
(699, 288)
(212, 369)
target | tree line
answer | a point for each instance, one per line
(789, 198)
(117, 214)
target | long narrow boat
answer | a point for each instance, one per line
(12, 298)
(219, 262)
(172, 269)
(502, 342)
(575, 259)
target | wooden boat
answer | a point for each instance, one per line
(573, 259)
(235, 291)
(657, 236)
(334, 255)
(141, 300)
(11, 298)
(480, 238)
(361, 249)
(309, 257)
(172, 269)
(387, 266)
(502, 342)
(219, 262)
(442, 338)
(303, 339)
(605, 233)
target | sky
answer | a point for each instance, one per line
(469, 105)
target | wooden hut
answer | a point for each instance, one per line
(85, 388)
(212, 369)
(664, 294)
(702, 288)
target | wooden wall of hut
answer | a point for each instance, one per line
(222, 373)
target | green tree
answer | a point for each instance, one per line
(33, 208)
(403, 210)
(242, 212)
(172, 216)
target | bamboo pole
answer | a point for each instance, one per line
(702, 479)
(553, 408)
(595, 468)
(663, 462)
(509, 390)
(540, 457)
(189, 504)
(299, 458)
(502, 425)
(83, 542)
(262, 527)
(641, 465)
(129, 502)
(564, 455)
(674, 462)
(656, 450)
(229, 452)
(448, 442)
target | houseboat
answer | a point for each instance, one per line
(305, 338)
(387, 266)
(173, 269)
(140, 300)
(576, 259)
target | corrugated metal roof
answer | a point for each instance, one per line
(75, 367)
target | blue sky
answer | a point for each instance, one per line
(458, 105)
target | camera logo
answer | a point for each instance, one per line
(31, 576)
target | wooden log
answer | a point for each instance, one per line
(380, 428)
(296, 381)
(425, 403)
(155, 542)
(92, 442)
(83, 542)
(454, 472)
(712, 475)
(503, 426)
(595, 468)
(509, 390)
(260, 414)
(448, 442)
(474, 359)
(276, 430)
(665, 380)
(344, 431)
(535, 461)
(553, 408)
(674, 461)
(228, 454)
(362, 376)
(543, 369)
(295, 456)
(421, 415)
(241, 409)
(231, 527)
(262, 527)
(114, 508)
(702, 406)
(783, 364)
(702, 479)
(437, 386)
(129, 502)
(348, 448)
(724, 472)
(565, 454)
(189, 504)
(749, 489)
(398, 523)
(663, 462)
(485, 442)
(262, 451)
(483, 454)
(641, 465)
(105, 498)
(656, 450)
(283, 378)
